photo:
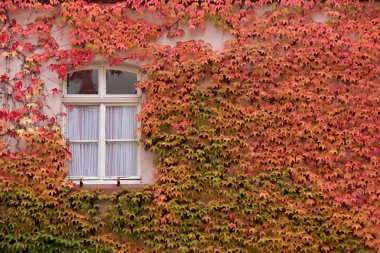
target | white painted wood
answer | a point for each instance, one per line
(103, 101)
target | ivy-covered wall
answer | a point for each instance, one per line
(270, 144)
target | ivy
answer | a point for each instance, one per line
(268, 145)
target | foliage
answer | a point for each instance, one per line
(269, 145)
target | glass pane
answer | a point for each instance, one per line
(84, 160)
(120, 82)
(121, 159)
(121, 122)
(83, 82)
(83, 123)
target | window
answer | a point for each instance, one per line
(101, 125)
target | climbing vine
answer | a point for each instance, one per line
(268, 145)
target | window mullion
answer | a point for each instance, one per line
(102, 134)
(102, 138)
(102, 82)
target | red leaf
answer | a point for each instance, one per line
(52, 120)
(54, 91)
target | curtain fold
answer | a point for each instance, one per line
(83, 124)
(85, 160)
(121, 155)
(121, 122)
(121, 159)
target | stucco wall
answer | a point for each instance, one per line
(213, 35)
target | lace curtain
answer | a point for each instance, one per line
(120, 141)
(83, 133)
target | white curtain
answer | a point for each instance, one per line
(121, 159)
(83, 123)
(85, 160)
(83, 134)
(121, 141)
(121, 122)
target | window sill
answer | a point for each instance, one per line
(108, 188)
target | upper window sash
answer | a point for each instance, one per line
(102, 85)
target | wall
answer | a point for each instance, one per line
(215, 36)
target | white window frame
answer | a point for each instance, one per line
(103, 100)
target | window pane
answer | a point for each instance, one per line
(83, 82)
(121, 122)
(120, 82)
(83, 123)
(84, 160)
(121, 159)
